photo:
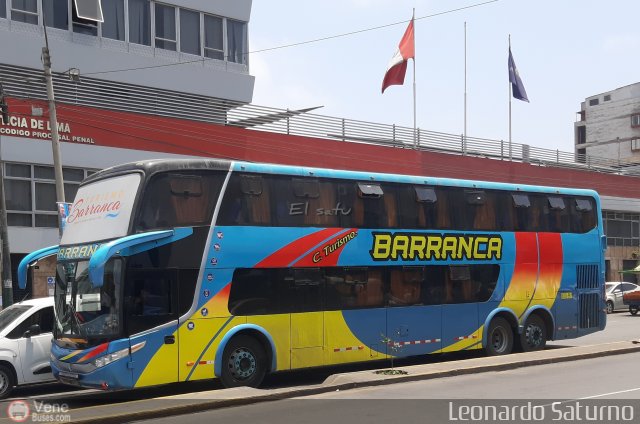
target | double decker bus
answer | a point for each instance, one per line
(181, 270)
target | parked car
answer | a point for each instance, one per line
(614, 291)
(632, 299)
(25, 344)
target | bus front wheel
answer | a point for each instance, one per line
(244, 362)
(499, 337)
(534, 334)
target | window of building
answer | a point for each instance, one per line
(635, 120)
(113, 26)
(236, 41)
(594, 102)
(25, 11)
(213, 38)
(190, 32)
(83, 26)
(165, 27)
(3, 8)
(635, 144)
(30, 193)
(622, 229)
(607, 98)
(140, 22)
(56, 13)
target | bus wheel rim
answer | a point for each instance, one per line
(533, 335)
(242, 364)
(499, 340)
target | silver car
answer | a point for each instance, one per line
(614, 291)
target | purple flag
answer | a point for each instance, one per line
(516, 83)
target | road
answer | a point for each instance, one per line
(620, 326)
(436, 400)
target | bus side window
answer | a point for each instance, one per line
(537, 221)
(409, 211)
(485, 214)
(390, 207)
(520, 206)
(372, 205)
(443, 208)
(350, 203)
(433, 284)
(583, 217)
(370, 293)
(557, 214)
(257, 200)
(405, 286)
(324, 210)
(427, 200)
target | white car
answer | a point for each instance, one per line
(25, 344)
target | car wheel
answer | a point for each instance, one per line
(244, 362)
(633, 310)
(534, 334)
(499, 337)
(6, 382)
(609, 306)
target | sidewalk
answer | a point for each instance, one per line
(201, 401)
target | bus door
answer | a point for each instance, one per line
(460, 309)
(305, 291)
(414, 317)
(151, 299)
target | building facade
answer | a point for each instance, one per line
(171, 79)
(608, 126)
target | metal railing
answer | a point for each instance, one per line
(28, 83)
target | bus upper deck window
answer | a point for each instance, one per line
(370, 190)
(583, 205)
(186, 185)
(556, 203)
(309, 188)
(475, 197)
(251, 184)
(521, 200)
(426, 194)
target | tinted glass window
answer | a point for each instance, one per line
(213, 39)
(179, 199)
(275, 291)
(165, 27)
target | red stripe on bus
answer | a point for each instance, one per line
(286, 255)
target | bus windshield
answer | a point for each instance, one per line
(85, 311)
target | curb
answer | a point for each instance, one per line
(191, 403)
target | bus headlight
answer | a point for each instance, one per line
(107, 359)
(111, 357)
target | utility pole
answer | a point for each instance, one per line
(7, 282)
(53, 121)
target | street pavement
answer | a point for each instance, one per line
(207, 400)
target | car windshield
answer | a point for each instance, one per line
(82, 309)
(8, 315)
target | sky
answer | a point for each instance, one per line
(565, 51)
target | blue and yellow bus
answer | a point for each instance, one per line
(181, 270)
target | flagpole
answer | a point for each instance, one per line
(510, 88)
(464, 136)
(415, 138)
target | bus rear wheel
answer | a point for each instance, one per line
(244, 362)
(534, 334)
(499, 337)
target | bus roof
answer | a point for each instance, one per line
(152, 166)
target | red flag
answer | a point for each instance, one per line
(398, 65)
